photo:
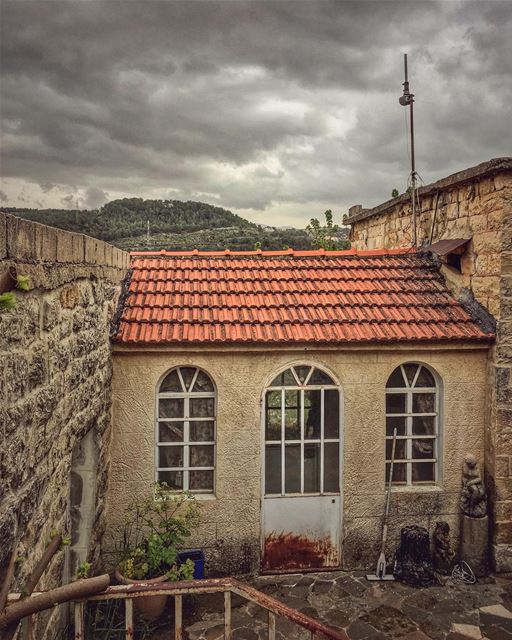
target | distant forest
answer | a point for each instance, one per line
(173, 225)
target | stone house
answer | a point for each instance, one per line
(466, 221)
(269, 384)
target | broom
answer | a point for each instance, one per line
(380, 572)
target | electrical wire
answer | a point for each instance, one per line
(463, 574)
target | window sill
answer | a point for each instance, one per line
(431, 488)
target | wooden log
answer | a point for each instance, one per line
(69, 592)
(6, 585)
(40, 567)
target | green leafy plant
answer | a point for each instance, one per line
(7, 300)
(327, 236)
(23, 283)
(83, 570)
(395, 193)
(155, 529)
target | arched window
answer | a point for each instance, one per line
(185, 430)
(302, 433)
(412, 407)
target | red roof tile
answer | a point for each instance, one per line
(290, 297)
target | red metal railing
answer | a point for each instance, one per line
(227, 586)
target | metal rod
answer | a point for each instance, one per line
(79, 621)
(271, 626)
(178, 617)
(227, 615)
(128, 617)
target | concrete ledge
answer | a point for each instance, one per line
(27, 241)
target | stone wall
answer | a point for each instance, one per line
(475, 204)
(55, 380)
(231, 520)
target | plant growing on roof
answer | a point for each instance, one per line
(154, 531)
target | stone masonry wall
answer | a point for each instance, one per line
(477, 204)
(55, 381)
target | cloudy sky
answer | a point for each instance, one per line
(277, 110)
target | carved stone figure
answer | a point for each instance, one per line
(473, 500)
(413, 560)
(442, 553)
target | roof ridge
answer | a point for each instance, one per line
(313, 253)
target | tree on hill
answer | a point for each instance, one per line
(328, 236)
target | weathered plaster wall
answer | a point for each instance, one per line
(477, 204)
(230, 528)
(55, 377)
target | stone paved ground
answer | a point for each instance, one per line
(367, 610)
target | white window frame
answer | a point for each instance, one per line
(186, 443)
(302, 387)
(409, 414)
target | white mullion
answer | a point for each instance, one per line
(299, 383)
(282, 442)
(186, 445)
(306, 380)
(408, 431)
(301, 406)
(194, 378)
(322, 439)
(181, 380)
(416, 376)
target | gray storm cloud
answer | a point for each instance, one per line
(276, 109)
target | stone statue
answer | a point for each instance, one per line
(442, 553)
(473, 499)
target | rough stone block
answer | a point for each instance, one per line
(502, 558)
(64, 246)
(45, 243)
(3, 235)
(78, 242)
(20, 239)
(502, 468)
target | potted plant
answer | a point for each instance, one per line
(154, 531)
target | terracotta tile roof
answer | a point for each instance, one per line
(290, 297)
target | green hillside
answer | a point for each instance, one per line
(173, 225)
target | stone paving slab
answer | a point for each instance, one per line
(365, 610)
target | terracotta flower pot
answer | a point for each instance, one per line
(151, 607)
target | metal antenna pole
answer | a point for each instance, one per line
(407, 99)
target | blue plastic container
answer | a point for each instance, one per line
(197, 556)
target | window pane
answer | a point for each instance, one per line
(400, 449)
(292, 420)
(273, 399)
(173, 479)
(170, 431)
(170, 456)
(201, 455)
(285, 379)
(395, 403)
(410, 372)
(396, 379)
(171, 408)
(273, 468)
(423, 425)
(425, 379)
(331, 466)
(331, 413)
(187, 373)
(203, 383)
(201, 480)
(273, 424)
(423, 472)
(423, 403)
(302, 373)
(201, 407)
(292, 468)
(202, 431)
(393, 422)
(311, 468)
(319, 377)
(171, 382)
(312, 408)
(292, 399)
(422, 449)
(399, 473)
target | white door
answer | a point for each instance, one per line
(302, 471)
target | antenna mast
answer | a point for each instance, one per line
(407, 100)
